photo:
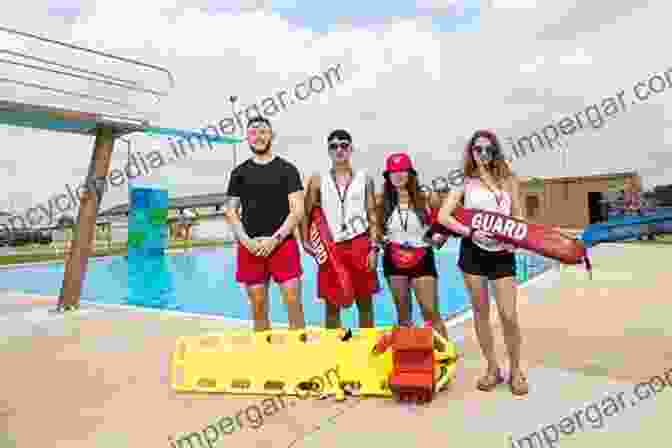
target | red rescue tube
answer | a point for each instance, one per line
(538, 238)
(325, 255)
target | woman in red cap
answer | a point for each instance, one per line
(408, 260)
(489, 185)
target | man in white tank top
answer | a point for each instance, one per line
(348, 202)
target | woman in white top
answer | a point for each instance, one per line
(489, 185)
(408, 260)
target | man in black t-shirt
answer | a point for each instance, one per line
(269, 191)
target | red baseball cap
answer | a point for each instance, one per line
(398, 162)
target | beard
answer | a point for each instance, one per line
(261, 152)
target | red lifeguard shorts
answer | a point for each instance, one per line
(354, 256)
(282, 265)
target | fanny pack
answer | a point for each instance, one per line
(406, 257)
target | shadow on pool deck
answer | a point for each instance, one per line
(100, 378)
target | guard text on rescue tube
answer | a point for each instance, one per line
(499, 225)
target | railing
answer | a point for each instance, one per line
(53, 73)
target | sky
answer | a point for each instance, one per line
(418, 76)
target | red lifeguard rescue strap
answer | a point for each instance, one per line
(538, 238)
(323, 246)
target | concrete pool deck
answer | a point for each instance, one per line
(100, 377)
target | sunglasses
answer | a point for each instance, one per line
(335, 146)
(488, 152)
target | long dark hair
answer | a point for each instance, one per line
(418, 201)
(499, 169)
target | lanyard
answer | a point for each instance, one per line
(341, 199)
(498, 199)
(404, 223)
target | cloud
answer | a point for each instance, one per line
(449, 7)
(582, 18)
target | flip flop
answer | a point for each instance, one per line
(487, 386)
(521, 388)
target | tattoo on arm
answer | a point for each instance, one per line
(232, 202)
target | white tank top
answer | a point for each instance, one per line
(345, 210)
(478, 195)
(404, 226)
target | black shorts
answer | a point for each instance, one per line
(494, 265)
(426, 267)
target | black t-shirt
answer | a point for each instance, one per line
(263, 191)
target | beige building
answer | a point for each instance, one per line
(572, 202)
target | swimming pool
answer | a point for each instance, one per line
(203, 282)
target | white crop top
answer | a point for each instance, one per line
(478, 195)
(404, 226)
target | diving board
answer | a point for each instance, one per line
(64, 120)
(45, 71)
(53, 86)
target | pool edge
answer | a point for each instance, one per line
(452, 321)
(467, 314)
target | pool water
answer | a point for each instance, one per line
(203, 282)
